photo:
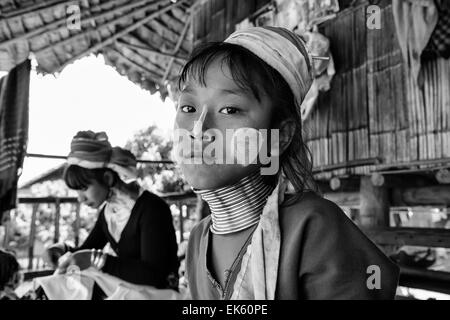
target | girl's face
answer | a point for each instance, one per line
(222, 105)
(94, 195)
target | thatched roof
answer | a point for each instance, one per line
(146, 40)
(55, 173)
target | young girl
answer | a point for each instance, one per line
(268, 237)
(133, 238)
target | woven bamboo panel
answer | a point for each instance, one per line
(374, 108)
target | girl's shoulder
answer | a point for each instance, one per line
(310, 204)
(311, 212)
(149, 200)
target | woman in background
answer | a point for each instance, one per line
(133, 237)
(9, 276)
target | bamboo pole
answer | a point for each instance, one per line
(180, 207)
(77, 224)
(120, 34)
(57, 217)
(48, 156)
(32, 236)
(382, 167)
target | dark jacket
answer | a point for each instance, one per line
(323, 255)
(147, 249)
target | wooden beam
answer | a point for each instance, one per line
(431, 195)
(374, 206)
(113, 38)
(32, 200)
(427, 237)
(57, 216)
(181, 220)
(412, 163)
(351, 183)
(438, 281)
(32, 236)
(401, 181)
(137, 66)
(414, 170)
(177, 47)
(346, 199)
(48, 156)
(149, 50)
(77, 224)
(347, 164)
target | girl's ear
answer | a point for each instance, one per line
(109, 178)
(287, 131)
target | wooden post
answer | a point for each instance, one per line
(77, 224)
(374, 208)
(180, 206)
(32, 236)
(57, 216)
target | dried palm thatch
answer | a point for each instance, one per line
(145, 40)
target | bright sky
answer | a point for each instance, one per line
(87, 95)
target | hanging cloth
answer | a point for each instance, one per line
(14, 93)
(440, 39)
(415, 21)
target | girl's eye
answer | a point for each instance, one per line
(187, 109)
(229, 110)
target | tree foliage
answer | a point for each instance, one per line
(151, 144)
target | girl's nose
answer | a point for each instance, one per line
(197, 130)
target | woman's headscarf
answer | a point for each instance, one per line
(284, 51)
(92, 150)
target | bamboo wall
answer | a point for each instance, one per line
(373, 108)
(216, 19)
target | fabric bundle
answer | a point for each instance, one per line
(284, 51)
(414, 22)
(440, 39)
(79, 286)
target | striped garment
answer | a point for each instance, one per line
(239, 206)
(92, 150)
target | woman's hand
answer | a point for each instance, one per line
(82, 259)
(52, 254)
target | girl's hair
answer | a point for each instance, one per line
(8, 268)
(79, 178)
(251, 73)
